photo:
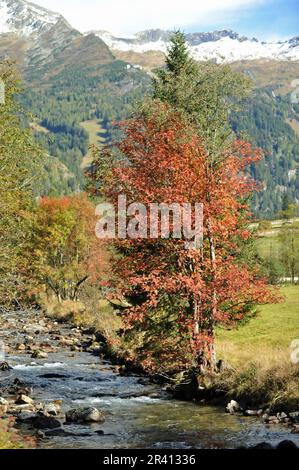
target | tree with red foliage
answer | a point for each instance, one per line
(161, 159)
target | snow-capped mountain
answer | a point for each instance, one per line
(25, 18)
(222, 46)
(29, 20)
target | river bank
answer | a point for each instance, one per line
(56, 368)
(255, 366)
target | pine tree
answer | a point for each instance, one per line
(178, 58)
(205, 93)
(286, 201)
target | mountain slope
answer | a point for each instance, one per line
(25, 18)
(69, 78)
(73, 78)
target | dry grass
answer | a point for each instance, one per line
(260, 354)
(92, 311)
(257, 385)
(36, 127)
(148, 60)
(97, 136)
(270, 73)
(264, 356)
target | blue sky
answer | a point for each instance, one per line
(264, 19)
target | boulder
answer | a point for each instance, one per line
(4, 366)
(295, 430)
(39, 420)
(3, 409)
(233, 407)
(24, 400)
(282, 417)
(21, 347)
(19, 388)
(51, 409)
(38, 354)
(85, 415)
(29, 339)
(286, 445)
(272, 420)
(253, 412)
(26, 416)
(33, 329)
(294, 416)
(185, 386)
(53, 376)
(17, 409)
(262, 445)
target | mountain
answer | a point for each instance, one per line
(24, 18)
(70, 79)
(221, 46)
(77, 84)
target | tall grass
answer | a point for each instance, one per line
(260, 355)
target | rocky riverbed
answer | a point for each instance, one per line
(53, 381)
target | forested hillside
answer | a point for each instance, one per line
(62, 102)
(74, 96)
(79, 79)
(265, 119)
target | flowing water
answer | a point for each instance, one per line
(138, 413)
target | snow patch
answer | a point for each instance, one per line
(24, 18)
(225, 49)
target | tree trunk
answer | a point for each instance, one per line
(204, 353)
(213, 313)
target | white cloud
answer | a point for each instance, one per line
(130, 16)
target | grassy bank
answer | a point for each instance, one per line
(90, 312)
(267, 337)
(260, 354)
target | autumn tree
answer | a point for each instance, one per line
(161, 159)
(19, 171)
(205, 94)
(180, 147)
(64, 250)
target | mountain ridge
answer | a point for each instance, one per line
(26, 18)
(29, 19)
(220, 46)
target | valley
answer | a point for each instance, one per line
(92, 76)
(149, 221)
